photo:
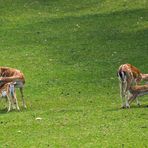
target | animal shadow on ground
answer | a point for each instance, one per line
(131, 107)
(3, 111)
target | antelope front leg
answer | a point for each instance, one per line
(9, 104)
(138, 103)
(122, 93)
(127, 99)
(16, 102)
(132, 98)
(137, 100)
(22, 95)
(126, 92)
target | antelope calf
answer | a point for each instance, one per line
(8, 92)
(136, 91)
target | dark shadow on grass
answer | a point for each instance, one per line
(3, 111)
(67, 110)
(103, 26)
(131, 107)
(138, 107)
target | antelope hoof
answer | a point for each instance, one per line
(8, 110)
(127, 106)
(18, 109)
(25, 106)
(122, 107)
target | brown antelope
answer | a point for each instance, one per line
(136, 91)
(8, 74)
(128, 76)
(8, 92)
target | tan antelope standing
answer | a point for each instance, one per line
(129, 76)
(8, 92)
(8, 74)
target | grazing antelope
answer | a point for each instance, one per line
(138, 90)
(128, 75)
(8, 92)
(8, 74)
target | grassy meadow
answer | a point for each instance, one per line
(69, 51)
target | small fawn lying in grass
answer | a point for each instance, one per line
(8, 92)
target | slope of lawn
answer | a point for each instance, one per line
(69, 52)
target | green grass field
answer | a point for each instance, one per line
(69, 52)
